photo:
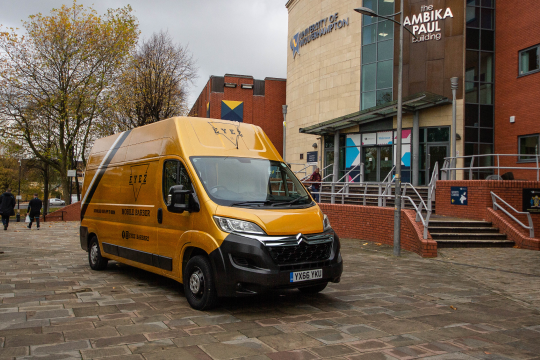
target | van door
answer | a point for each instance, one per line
(172, 225)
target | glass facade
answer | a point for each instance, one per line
(377, 55)
(479, 83)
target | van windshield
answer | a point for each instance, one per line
(245, 182)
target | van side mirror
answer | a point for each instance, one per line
(176, 200)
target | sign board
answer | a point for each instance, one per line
(312, 157)
(531, 201)
(72, 173)
(458, 195)
(19, 197)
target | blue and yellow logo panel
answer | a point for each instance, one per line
(232, 110)
(295, 44)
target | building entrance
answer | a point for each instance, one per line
(377, 162)
(436, 154)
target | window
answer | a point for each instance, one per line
(529, 60)
(528, 145)
(174, 173)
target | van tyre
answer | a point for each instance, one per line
(199, 285)
(314, 289)
(97, 262)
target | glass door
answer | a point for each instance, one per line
(436, 154)
(369, 158)
(385, 161)
(328, 160)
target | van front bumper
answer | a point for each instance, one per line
(245, 266)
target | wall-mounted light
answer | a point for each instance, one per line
(230, 85)
(314, 145)
(246, 86)
(458, 137)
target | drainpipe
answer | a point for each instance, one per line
(336, 166)
(416, 147)
(284, 130)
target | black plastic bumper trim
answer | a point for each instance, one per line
(142, 257)
(83, 234)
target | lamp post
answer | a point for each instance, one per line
(454, 82)
(397, 205)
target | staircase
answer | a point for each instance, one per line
(456, 232)
(372, 200)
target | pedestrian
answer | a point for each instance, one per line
(34, 209)
(7, 206)
(315, 181)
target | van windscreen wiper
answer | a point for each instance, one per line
(254, 202)
(290, 202)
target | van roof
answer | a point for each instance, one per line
(186, 137)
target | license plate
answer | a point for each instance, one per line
(306, 275)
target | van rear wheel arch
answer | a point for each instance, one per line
(88, 238)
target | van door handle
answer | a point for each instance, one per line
(159, 215)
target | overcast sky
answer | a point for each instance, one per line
(247, 37)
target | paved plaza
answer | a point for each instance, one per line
(465, 304)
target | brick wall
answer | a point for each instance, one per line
(517, 29)
(479, 202)
(264, 111)
(515, 233)
(373, 223)
(71, 213)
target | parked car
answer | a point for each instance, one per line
(56, 202)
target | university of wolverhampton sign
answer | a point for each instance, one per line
(315, 31)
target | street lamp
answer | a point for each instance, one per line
(397, 206)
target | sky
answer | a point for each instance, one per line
(247, 37)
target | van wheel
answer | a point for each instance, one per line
(199, 285)
(313, 289)
(97, 262)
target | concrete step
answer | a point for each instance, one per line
(461, 230)
(468, 236)
(451, 243)
(435, 223)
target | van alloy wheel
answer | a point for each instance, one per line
(94, 253)
(196, 282)
(96, 261)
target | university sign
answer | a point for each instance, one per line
(315, 31)
(426, 24)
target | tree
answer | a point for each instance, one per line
(56, 80)
(154, 85)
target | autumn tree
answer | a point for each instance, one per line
(57, 79)
(154, 85)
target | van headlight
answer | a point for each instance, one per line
(326, 223)
(239, 226)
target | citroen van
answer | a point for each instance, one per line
(209, 203)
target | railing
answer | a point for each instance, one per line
(494, 197)
(450, 164)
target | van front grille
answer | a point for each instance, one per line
(300, 253)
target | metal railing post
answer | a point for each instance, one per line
(365, 193)
(470, 168)
(361, 172)
(379, 200)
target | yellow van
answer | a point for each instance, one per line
(209, 203)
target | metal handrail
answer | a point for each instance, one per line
(416, 208)
(495, 207)
(450, 164)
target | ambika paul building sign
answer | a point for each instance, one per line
(426, 24)
(315, 31)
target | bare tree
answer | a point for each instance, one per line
(54, 80)
(154, 85)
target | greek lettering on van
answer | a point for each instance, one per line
(135, 212)
(138, 178)
(129, 235)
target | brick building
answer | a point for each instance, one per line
(517, 84)
(243, 98)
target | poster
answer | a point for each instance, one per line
(531, 201)
(458, 195)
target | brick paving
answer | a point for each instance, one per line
(465, 304)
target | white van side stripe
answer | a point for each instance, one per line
(100, 171)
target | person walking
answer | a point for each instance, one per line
(315, 181)
(7, 206)
(34, 209)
